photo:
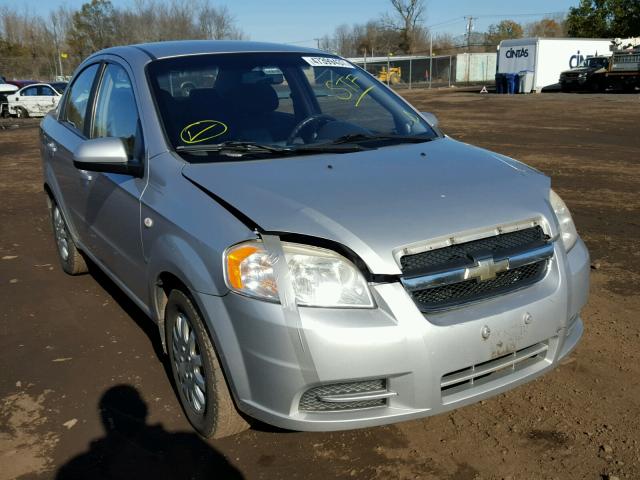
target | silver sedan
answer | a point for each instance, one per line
(316, 254)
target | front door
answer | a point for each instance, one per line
(112, 209)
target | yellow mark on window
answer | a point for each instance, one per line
(363, 95)
(203, 130)
(341, 93)
(343, 87)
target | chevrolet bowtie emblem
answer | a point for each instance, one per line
(486, 268)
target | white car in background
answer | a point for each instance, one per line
(34, 100)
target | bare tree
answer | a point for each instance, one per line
(409, 14)
(217, 23)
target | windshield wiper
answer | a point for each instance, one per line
(234, 146)
(239, 148)
(364, 137)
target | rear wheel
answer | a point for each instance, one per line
(70, 257)
(197, 373)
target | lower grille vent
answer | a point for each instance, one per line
(484, 372)
(346, 396)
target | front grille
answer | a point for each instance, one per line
(481, 373)
(311, 400)
(457, 255)
(456, 293)
(438, 296)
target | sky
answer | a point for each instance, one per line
(300, 22)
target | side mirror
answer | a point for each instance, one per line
(430, 118)
(105, 155)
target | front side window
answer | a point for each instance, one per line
(116, 114)
(30, 92)
(75, 110)
(284, 100)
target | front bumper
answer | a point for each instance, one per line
(574, 82)
(273, 355)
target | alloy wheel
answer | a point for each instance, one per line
(62, 237)
(188, 364)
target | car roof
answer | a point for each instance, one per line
(36, 85)
(180, 48)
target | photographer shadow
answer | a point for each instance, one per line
(131, 449)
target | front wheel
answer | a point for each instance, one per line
(197, 373)
(22, 112)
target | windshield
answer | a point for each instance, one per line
(596, 62)
(277, 99)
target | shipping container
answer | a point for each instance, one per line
(547, 57)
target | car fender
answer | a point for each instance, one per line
(173, 254)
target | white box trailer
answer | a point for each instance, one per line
(547, 57)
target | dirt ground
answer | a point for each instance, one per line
(69, 343)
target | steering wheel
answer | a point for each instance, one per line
(186, 88)
(305, 122)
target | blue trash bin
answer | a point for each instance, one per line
(511, 87)
(505, 83)
(516, 83)
(499, 83)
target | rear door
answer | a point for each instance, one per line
(112, 210)
(46, 100)
(61, 138)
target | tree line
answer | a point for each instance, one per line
(379, 38)
(43, 46)
(403, 32)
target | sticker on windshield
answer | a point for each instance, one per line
(327, 62)
(203, 130)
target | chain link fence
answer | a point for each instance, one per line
(420, 71)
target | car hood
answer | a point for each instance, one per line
(7, 88)
(583, 70)
(377, 201)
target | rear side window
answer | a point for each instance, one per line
(116, 113)
(45, 91)
(75, 110)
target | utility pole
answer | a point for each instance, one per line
(470, 21)
(317, 42)
(469, 31)
(430, 57)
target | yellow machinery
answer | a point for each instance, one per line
(393, 76)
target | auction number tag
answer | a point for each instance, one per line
(327, 62)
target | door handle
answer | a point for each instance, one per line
(86, 176)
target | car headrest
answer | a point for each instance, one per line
(255, 98)
(204, 96)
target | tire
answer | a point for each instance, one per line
(595, 86)
(70, 258)
(198, 376)
(22, 112)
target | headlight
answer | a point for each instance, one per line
(567, 227)
(320, 277)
